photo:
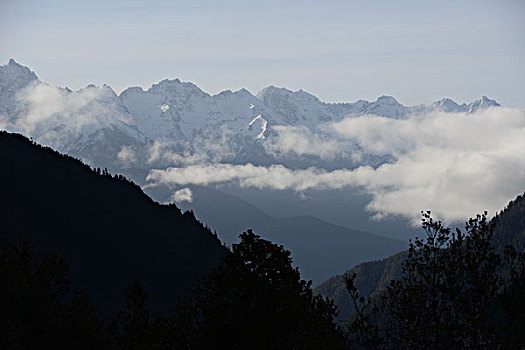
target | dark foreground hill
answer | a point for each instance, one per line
(109, 229)
(374, 276)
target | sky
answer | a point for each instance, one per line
(417, 51)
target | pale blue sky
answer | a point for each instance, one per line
(417, 51)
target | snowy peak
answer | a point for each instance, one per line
(178, 117)
(387, 101)
(294, 107)
(104, 90)
(483, 102)
(386, 106)
(131, 91)
(243, 93)
(272, 92)
(447, 105)
(15, 69)
(14, 76)
(178, 88)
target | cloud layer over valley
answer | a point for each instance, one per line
(456, 160)
(455, 164)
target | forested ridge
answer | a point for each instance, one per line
(109, 230)
(374, 276)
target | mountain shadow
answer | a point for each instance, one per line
(319, 248)
(105, 225)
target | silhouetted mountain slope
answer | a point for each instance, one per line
(510, 224)
(229, 215)
(373, 276)
(319, 249)
(107, 226)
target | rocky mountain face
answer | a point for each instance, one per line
(175, 123)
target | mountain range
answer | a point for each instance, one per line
(175, 123)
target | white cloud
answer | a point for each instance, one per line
(182, 195)
(453, 164)
(248, 175)
(158, 152)
(55, 116)
(127, 155)
(299, 140)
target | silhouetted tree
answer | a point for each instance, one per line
(36, 306)
(449, 282)
(131, 328)
(363, 331)
(512, 299)
(456, 292)
(257, 300)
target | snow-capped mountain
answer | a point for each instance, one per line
(174, 122)
(13, 78)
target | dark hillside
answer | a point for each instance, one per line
(510, 224)
(373, 276)
(107, 226)
(323, 248)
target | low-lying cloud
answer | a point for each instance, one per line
(127, 155)
(55, 116)
(163, 153)
(248, 175)
(182, 195)
(454, 164)
(299, 140)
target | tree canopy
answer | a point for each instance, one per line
(456, 292)
(257, 300)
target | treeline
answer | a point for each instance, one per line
(111, 231)
(254, 300)
(456, 291)
(453, 289)
(97, 170)
(373, 277)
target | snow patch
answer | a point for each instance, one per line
(263, 127)
(264, 124)
(255, 119)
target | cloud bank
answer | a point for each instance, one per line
(182, 195)
(454, 164)
(299, 140)
(55, 116)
